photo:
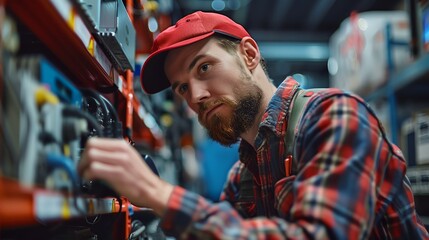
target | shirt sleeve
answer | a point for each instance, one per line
(190, 216)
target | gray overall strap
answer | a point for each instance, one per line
(298, 103)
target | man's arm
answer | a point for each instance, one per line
(121, 166)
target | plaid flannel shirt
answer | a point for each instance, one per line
(348, 180)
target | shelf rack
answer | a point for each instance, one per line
(416, 73)
(60, 29)
(413, 78)
(57, 25)
(21, 205)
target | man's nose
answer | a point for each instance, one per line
(199, 91)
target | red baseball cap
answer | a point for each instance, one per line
(190, 29)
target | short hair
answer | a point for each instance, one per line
(230, 45)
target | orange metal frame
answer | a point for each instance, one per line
(41, 17)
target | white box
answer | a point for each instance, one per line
(358, 50)
(422, 138)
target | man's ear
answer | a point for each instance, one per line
(250, 51)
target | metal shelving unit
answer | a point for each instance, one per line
(404, 80)
(411, 82)
(58, 26)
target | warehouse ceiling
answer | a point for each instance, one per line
(293, 34)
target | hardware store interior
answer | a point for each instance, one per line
(64, 62)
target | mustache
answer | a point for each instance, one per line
(209, 104)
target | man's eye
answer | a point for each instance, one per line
(182, 89)
(204, 67)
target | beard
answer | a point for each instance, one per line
(227, 129)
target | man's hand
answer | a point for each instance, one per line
(121, 166)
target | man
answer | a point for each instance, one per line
(347, 180)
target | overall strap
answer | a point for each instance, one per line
(296, 109)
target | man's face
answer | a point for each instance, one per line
(217, 86)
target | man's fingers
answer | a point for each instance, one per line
(98, 170)
(107, 144)
(94, 154)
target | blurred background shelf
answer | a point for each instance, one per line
(410, 82)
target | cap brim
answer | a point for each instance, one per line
(152, 77)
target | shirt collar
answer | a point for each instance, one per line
(278, 107)
(273, 119)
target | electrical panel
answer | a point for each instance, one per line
(109, 21)
(53, 120)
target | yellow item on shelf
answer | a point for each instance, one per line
(42, 96)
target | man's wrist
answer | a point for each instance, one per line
(160, 197)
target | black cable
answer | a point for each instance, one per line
(70, 111)
(111, 123)
(114, 115)
(109, 106)
(91, 93)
